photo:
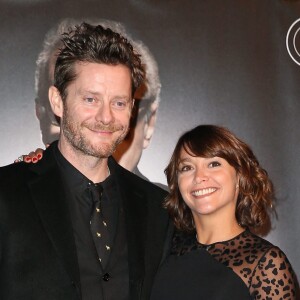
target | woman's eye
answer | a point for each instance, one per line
(184, 168)
(214, 164)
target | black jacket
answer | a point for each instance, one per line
(37, 250)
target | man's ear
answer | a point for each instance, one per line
(150, 124)
(56, 102)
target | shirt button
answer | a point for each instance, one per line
(106, 277)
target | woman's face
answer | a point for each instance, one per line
(209, 186)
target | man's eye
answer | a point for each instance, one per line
(214, 164)
(90, 100)
(120, 104)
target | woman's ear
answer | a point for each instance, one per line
(56, 102)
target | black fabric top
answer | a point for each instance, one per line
(77, 189)
(245, 267)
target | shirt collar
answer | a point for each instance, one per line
(72, 176)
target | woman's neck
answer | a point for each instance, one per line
(209, 231)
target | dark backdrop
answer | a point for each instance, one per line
(222, 62)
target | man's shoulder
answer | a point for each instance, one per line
(12, 171)
(13, 180)
(24, 171)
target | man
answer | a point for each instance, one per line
(147, 97)
(51, 243)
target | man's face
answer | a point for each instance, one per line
(95, 115)
(129, 151)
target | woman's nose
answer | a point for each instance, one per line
(200, 176)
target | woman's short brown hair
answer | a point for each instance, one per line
(256, 193)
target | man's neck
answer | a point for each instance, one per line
(94, 168)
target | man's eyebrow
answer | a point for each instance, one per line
(83, 92)
(96, 93)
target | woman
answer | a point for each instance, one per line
(219, 196)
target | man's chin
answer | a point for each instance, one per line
(103, 152)
(97, 150)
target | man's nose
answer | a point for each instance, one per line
(104, 114)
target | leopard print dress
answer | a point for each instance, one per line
(245, 267)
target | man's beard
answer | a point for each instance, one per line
(73, 132)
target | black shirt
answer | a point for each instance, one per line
(78, 198)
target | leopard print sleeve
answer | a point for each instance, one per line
(263, 267)
(273, 277)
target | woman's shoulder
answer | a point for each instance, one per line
(269, 256)
(254, 243)
(258, 253)
(272, 255)
(273, 275)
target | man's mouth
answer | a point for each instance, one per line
(105, 129)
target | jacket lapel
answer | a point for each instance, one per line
(135, 210)
(48, 195)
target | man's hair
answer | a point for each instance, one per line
(256, 194)
(150, 87)
(53, 42)
(94, 44)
